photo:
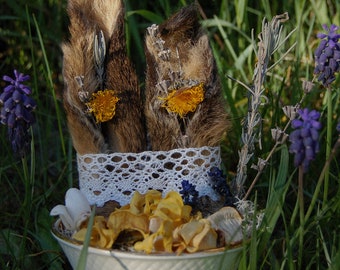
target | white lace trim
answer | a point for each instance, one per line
(104, 177)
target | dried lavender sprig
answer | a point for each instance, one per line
(99, 50)
(251, 133)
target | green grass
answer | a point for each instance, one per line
(30, 36)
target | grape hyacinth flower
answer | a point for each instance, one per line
(327, 55)
(16, 111)
(305, 138)
(189, 193)
(220, 185)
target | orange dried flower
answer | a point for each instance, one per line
(184, 100)
(103, 105)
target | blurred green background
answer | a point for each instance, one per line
(31, 32)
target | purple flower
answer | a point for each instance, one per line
(219, 183)
(305, 137)
(327, 55)
(338, 127)
(189, 192)
(16, 111)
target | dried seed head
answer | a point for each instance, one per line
(278, 135)
(290, 111)
(261, 164)
(307, 86)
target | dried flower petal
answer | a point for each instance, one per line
(75, 211)
(290, 112)
(307, 86)
(103, 105)
(278, 135)
(166, 225)
(185, 100)
(195, 236)
(229, 221)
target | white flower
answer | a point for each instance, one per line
(76, 209)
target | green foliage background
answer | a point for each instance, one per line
(30, 36)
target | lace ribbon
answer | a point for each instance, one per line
(104, 177)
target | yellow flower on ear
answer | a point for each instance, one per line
(184, 100)
(103, 105)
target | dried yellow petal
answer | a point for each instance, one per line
(159, 241)
(103, 105)
(185, 100)
(120, 220)
(164, 224)
(152, 198)
(101, 236)
(195, 236)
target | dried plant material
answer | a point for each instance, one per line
(103, 105)
(229, 221)
(123, 220)
(152, 223)
(183, 101)
(94, 60)
(269, 41)
(101, 236)
(179, 57)
(290, 111)
(161, 240)
(144, 203)
(279, 135)
(169, 214)
(75, 211)
(105, 232)
(195, 236)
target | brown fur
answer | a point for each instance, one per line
(191, 54)
(78, 61)
(125, 133)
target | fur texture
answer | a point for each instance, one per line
(178, 51)
(125, 133)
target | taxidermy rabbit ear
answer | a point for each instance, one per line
(184, 105)
(126, 131)
(99, 80)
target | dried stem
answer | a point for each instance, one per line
(280, 138)
(251, 131)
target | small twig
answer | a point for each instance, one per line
(251, 132)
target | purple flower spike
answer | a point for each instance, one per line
(17, 111)
(327, 55)
(305, 137)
